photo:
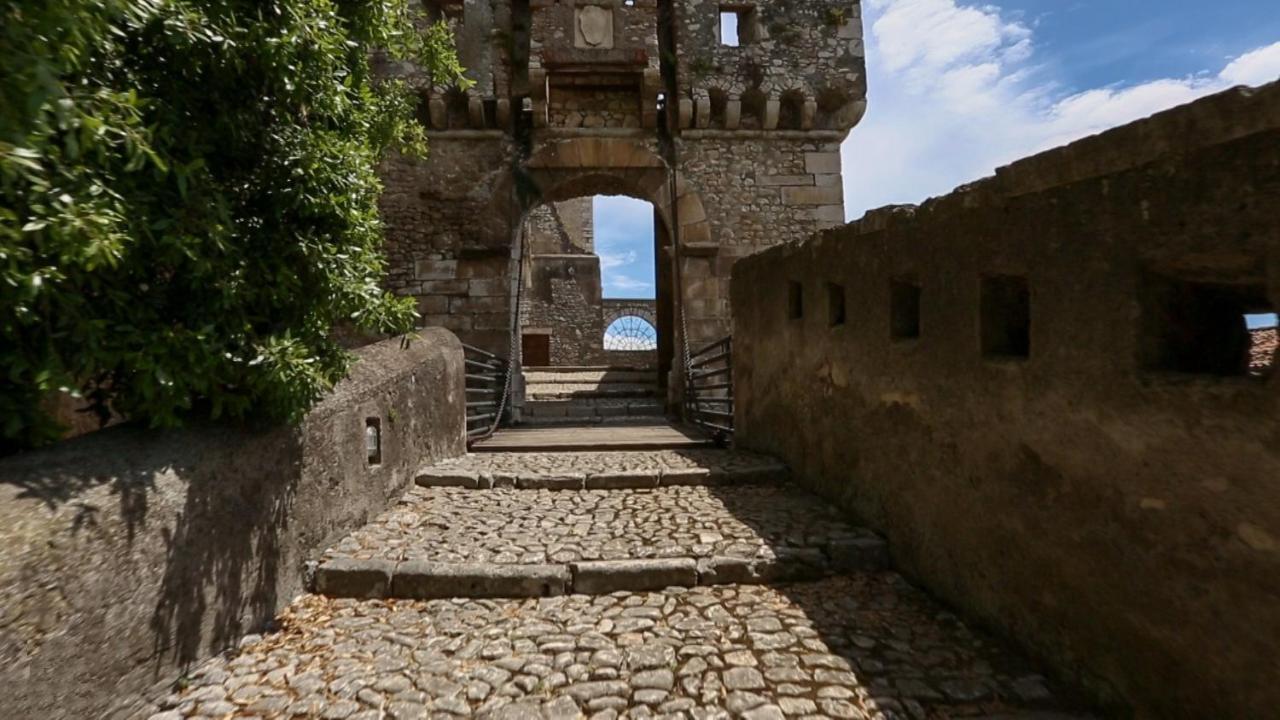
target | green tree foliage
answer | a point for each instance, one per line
(188, 200)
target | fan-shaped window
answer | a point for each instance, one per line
(631, 333)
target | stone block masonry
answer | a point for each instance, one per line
(736, 147)
(129, 554)
(1042, 391)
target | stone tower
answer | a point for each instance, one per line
(735, 144)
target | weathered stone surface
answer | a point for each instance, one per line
(424, 580)
(605, 576)
(1051, 398)
(751, 533)
(674, 651)
(349, 577)
(129, 554)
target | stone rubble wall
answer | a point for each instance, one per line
(1036, 388)
(131, 553)
(563, 299)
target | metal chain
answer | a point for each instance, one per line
(686, 357)
(515, 332)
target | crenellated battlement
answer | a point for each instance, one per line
(600, 64)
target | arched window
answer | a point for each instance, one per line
(631, 333)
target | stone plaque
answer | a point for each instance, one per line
(593, 27)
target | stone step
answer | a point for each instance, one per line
(455, 542)
(588, 421)
(603, 470)
(591, 407)
(589, 376)
(561, 391)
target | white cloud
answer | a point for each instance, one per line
(955, 92)
(611, 261)
(623, 282)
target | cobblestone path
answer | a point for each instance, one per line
(844, 644)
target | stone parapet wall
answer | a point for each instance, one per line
(798, 66)
(1038, 389)
(128, 554)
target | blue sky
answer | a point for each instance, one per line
(959, 88)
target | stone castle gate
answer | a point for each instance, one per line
(735, 144)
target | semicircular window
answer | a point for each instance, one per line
(631, 333)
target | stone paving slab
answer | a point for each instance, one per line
(606, 540)
(590, 470)
(863, 647)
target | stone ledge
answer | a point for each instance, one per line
(425, 580)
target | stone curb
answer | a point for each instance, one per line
(421, 580)
(425, 580)
(631, 480)
(600, 577)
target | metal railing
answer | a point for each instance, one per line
(486, 384)
(708, 396)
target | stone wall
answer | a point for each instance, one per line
(563, 300)
(1037, 388)
(444, 247)
(130, 553)
(746, 154)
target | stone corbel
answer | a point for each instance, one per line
(733, 113)
(650, 86)
(503, 113)
(702, 111)
(807, 114)
(538, 96)
(772, 109)
(437, 111)
(686, 113)
(475, 112)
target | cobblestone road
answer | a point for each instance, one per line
(862, 643)
(868, 646)
(542, 526)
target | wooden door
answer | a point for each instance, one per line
(535, 349)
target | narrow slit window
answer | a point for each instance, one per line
(1006, 317)
(835, 305)
(904, 309)
(373, 440)
(795, 300)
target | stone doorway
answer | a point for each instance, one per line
(594, 346)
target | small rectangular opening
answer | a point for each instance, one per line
(835, 305)
(1264, 342)
(373, 440)
(1206, 328)
(904, 309)
(795, 300)
(729, 28)
(737, 25)
(1006, 317)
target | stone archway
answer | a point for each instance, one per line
(643, 309)
(561, 169)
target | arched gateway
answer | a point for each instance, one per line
(736, 148)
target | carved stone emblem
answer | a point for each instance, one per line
(594, 27)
